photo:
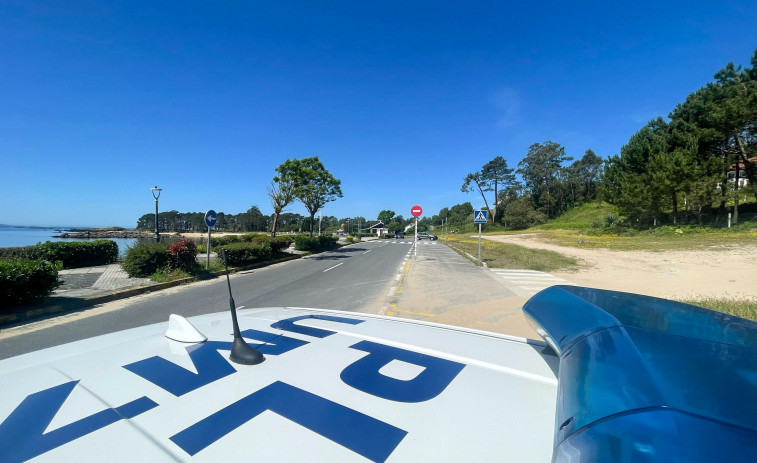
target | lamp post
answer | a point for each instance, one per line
(156, 194)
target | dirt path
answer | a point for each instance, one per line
(722, 272)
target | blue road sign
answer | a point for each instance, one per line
(480, 216)
(211, 218)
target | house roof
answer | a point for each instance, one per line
(376, 225)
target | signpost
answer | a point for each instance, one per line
(416, 212)
(211, 218)
(479, 217)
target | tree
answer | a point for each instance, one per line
(253, 220)
(282, 189)
(629, 179)
(460, 214)
(520, 213)
(584, 177)
(541, 172)
(496, 174)
(724, 113)
(386, 216)
(315, 186)
(478, 180)
(493, 175)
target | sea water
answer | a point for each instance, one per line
(21, 236)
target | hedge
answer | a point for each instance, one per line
(245, 253)
(72, 254)
(277, 244)
(315, 243)
(144, 259)
(24, 281)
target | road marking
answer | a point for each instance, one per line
(526, 283)
(330, 268)
(366, 252)
(240, 307)
(394, 310)
(424, 314)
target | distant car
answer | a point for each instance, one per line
(399, 234)
(427, 236)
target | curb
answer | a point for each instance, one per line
(61, 305)
(473, 259)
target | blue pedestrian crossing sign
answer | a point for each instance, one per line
(480, 216)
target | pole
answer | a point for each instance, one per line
(320, 220)
(479, 244)
(157, 232)
(207, 264)
(415, 244)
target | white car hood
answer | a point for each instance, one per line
(335, 386)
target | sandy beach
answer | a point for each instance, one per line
(718, 272)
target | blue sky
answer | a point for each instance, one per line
(100, 100)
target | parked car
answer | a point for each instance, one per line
(399, 234)
(427, 236)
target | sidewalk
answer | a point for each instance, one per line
(438, 285)
(92, 281)
(89, 286)
(85, 287)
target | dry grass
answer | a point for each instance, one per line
(502, 255)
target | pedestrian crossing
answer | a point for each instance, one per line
(526, 283)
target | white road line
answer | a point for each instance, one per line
(366, 252)
(526, 283)
(337, 265)
(240, 307)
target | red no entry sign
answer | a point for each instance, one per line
(416, 211)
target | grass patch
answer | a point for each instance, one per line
(164, 275)
(744, 309)
(580, 217)
(503, 255)
(659, 239)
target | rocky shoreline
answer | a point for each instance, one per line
(104, 233)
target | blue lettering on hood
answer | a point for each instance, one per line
(22, 434)
(364, 374)
(367, 436)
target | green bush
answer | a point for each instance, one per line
(314, 244)
(144, 259)
(353, 239)
(326, 242)
(305, 243)
(72, 254)
(24, 281)
(218, 242)
(245, 253)
(182, 255)
(281, 242)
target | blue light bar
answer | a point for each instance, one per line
(646, 379)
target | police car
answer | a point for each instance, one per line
(617, 377)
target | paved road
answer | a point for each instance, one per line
(444, 287)
(353, 278)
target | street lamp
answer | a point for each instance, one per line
(156, 194)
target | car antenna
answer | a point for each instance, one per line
(241, 352)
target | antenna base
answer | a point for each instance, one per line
(245, 354)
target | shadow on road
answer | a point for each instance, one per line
(332, 257)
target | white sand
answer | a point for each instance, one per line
(719, 272)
